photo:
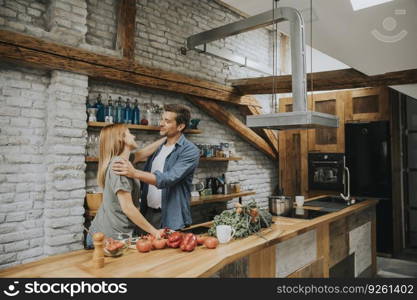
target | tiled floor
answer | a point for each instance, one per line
(396, 268)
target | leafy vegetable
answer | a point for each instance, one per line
(243, 220)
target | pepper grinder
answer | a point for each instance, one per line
(98, 254)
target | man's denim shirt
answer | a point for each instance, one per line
(175, 182)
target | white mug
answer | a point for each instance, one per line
(224, 233)
(299, 200)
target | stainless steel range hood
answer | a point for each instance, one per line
(300, 117)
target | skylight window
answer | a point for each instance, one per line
(361, 4)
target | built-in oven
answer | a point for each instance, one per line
(325, 171)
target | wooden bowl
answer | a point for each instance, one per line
(94, 201)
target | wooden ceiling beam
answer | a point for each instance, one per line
(223, 116)
(36, 52)
(269, 135)
(325, 81)
(126, 23)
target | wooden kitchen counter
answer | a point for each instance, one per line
(202, 262)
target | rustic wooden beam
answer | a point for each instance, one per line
(227, 118)
(126, 21)
(35, 52)
(325, 81)
(269, 135)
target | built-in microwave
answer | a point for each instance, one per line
(325, 171)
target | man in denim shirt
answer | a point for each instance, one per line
(168, 173)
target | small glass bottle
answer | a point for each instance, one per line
(100, 109)
(146, 116)
(136, 113)
(109, 111)
(119, 111)
(127, 119)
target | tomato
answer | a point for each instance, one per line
(176, 236)
(159, 243)
(111, 247)
(211, 242)
(201, 239)
(174, 244)
(118, 245)
(143, 245)
(149, 237)
(189, 242)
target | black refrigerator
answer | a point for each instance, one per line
(368, 157)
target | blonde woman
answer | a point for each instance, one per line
(119, 210)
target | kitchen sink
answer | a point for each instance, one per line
(330, 203)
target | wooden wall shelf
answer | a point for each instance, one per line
(91, 159)
(219, 198)
(141, 127)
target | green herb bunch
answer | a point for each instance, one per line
(244, 219)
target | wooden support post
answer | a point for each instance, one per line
(126, 23)
(262, 263)
(269, 135)
(323, 247)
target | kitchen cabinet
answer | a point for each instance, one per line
(329, 140)
(293, 151)
(366, 105)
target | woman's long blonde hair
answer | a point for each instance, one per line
(111, 144)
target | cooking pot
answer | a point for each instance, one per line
(280, 205)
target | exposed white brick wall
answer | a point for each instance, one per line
(60, 21)
(22, 171)
(42, 179)
(101, 23)
(18, 13)
(65, 150)
(162, 27)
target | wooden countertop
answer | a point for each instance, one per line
(202, 262)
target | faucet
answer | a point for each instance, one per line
(347, 198)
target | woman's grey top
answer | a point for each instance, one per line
(110, 218)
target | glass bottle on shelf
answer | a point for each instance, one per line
(100, 109)
(109, 111)
(127, 119)
(136, 113)
(119, 111)
(146, 115)
(157, 114)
